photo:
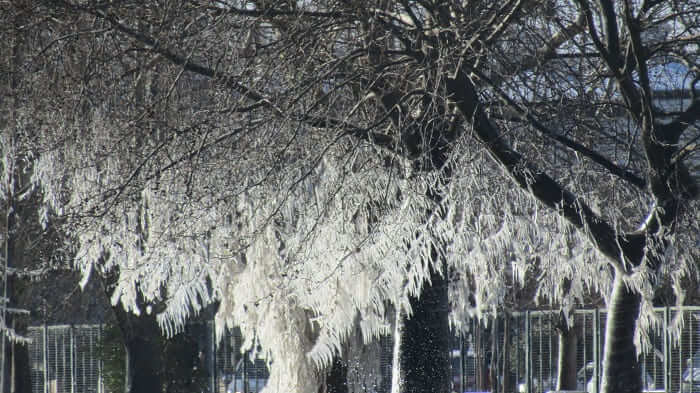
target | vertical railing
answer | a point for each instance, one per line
(46, 358)
(64, 355)
(667, 352)
(72, 367)
(212, 357)
(100, 365)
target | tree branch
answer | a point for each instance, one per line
(593, 155)
(185, 62)
(272, 13)
(619, 248)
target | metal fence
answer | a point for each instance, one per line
(523, 348)
(517, 353)
(236, 371)
(64, 359)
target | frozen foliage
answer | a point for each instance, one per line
(306, 281)
(500, 239)
(301, 165)
(310, 255)
(298, 262)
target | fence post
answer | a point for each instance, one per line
(45, 353)
(528, 341)
(100, 386)
(212, 357)
(462, 361)
(127, 370)
(667, 353)
(596, 350)
(71, 342)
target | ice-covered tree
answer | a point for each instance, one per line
(11, 236)
(304, 163)
(28, 247)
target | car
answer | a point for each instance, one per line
(690, 379)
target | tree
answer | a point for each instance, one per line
(282, 122)
(28, 246)
(10, 191)
(13, 354)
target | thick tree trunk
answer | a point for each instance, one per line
(566, 361)
(19, 361)
(183, 363)
(144, 365)
(159, 364)
(621, 369)
(337, 378)
(424, 355)
(142, 339)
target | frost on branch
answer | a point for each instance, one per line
(298, 253)
(331, 262)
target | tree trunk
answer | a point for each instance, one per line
(15, 356)
(566, 361)
(506, 383)
(482, 371)
(337, 378)
(142, 339)
(5, 345)
(13, 374)
(396, 358)
(424, 355)
(20, 366)
(157, 364)
(494, 371)
(621, 369)
(9, 290)
(144, 365)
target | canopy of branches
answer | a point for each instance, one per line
(303, 162)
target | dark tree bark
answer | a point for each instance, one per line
(21, 381)
(506, 385)
(621, 369)
(15, 357)
(425, 343)
(156, 363)
(337, 378)
(9, 262)
(142, 339)
(566, 359)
